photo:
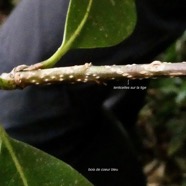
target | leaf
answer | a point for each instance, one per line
(23, 165)
(94, 24)
(66, 44)
(109, 22)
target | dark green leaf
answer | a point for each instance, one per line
(23, 165)
(109, 22)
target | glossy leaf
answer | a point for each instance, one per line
(94, 24)
(23, 165)
(109, 22)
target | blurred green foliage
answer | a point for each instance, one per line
(162, 121)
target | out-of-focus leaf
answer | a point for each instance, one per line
(177, 128)
(23, 165)
(180, 97)
(174, 146)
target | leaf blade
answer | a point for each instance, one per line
(39, 168)
(109, 22)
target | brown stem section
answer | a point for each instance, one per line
(89, 73)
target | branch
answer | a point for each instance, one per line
(89, 73)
